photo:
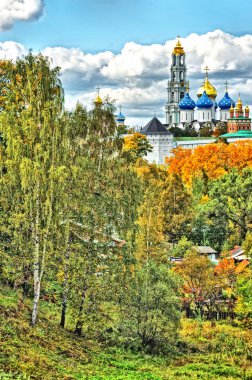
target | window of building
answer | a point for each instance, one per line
(172, 97)
(181, 95)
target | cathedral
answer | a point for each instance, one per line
(181, 110)
(186, 114)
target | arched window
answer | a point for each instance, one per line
(172, 97)
(182, 95)
(174, 75)
(174, 60)
(181, 75)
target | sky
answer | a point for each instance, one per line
(124, 46)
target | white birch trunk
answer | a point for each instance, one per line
(36, 266)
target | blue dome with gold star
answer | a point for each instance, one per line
(226, 102)
(204, 101)
(187, 103)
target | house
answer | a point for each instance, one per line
(238, 254)
(209, 252)
(204, 251)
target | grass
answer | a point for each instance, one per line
(49, 352)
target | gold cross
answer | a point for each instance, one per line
(206, 69)
(98, 90)
(226, 84)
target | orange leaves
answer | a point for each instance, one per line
(241, 266)
(225, 266)
(212, 160)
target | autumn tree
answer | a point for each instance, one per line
(102, 212)
(136, 146)
(212, 160)
(201, 288)
(175, 201)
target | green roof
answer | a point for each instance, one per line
(193, 138)
(239, 118)
(241, 133)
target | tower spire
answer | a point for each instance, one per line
(98, 99)
(176, 88)
(226, 85)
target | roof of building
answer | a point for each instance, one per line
(205, 250)
(187, 103)
(155, 127)
(178, 50)
(204, 101)
(208, 88)
(120, 117)
(241, 134)
(240, 118)
(182, 138)
(238, 253)
(226, 102)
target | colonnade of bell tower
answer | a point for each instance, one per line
(176, 85)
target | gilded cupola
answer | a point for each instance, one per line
(98, 99)
(178, 49)
(207, 87)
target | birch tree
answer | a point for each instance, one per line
(33, 134)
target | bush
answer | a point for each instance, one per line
(150, 312)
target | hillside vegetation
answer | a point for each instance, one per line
(87, 229)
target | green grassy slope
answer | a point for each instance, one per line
(48, 352)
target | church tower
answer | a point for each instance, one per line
(176, 85)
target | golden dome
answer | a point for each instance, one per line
(247, 108)
(178, 50)
(210, 89)
(239, 104)
(98, 100)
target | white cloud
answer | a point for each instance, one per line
(19, 10)
(137, 76)
(11, 50)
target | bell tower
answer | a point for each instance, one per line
(176, 85)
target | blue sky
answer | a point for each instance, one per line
(124, 46)
(95, 25)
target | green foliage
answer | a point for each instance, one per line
(181, 248)
(150, 309)
(86, 227)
